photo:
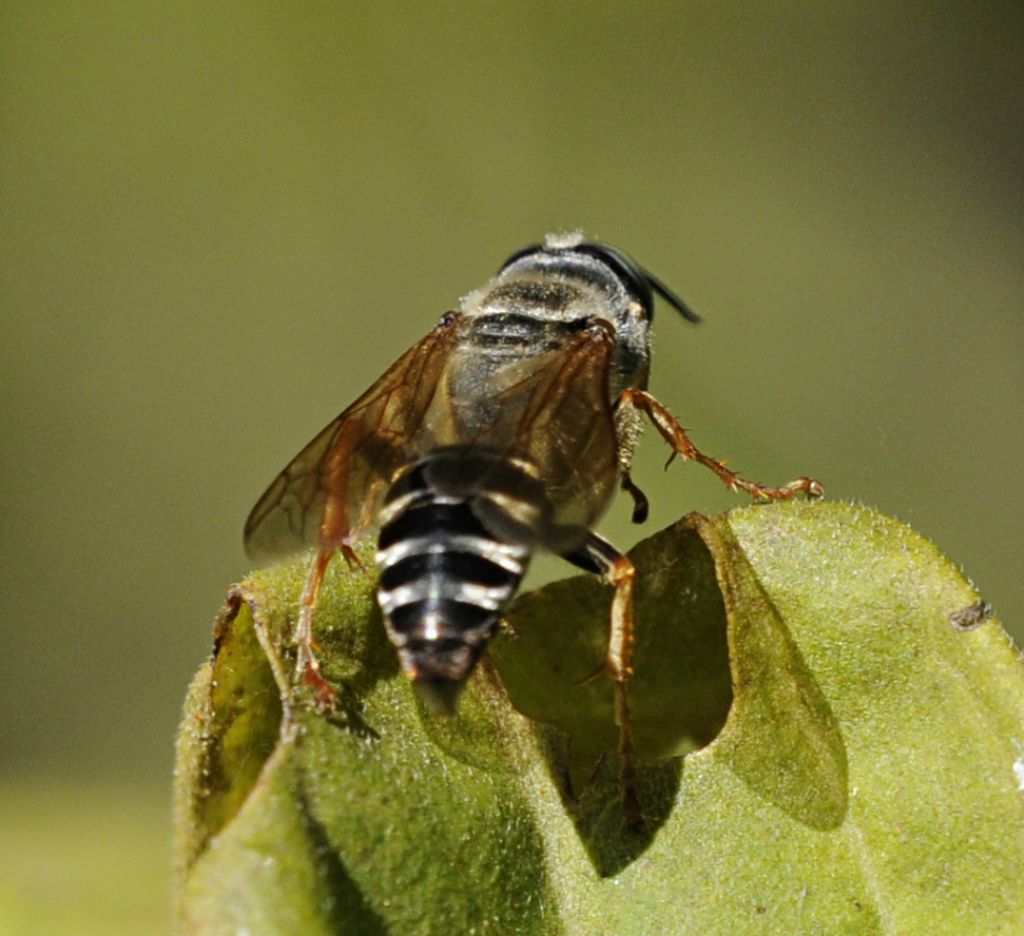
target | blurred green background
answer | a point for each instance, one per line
(221, 222)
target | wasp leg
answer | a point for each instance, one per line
(352, 558)
(641, 505)
(601, 557)
(676, 436)
(307, 666)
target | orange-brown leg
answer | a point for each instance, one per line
(307, 666)
(622, 576)
(599, 556)
(676, 436)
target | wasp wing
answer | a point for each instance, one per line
(329, 492)
(565, 426)
(551, 411)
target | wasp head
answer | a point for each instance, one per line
(571, 254)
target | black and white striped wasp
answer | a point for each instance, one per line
(503, 432)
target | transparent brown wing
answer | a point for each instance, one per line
(551, 410)
(329, 492)
(559, 416)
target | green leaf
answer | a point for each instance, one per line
(829, 724)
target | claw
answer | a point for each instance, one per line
(353, 560)
(325, 699)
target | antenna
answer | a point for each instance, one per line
(671, 298)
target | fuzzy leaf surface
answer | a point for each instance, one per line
(830, 724)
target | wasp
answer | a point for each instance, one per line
(505, 431)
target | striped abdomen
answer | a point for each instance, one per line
(452, 551)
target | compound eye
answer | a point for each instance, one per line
(633, 277)
(519, 254)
